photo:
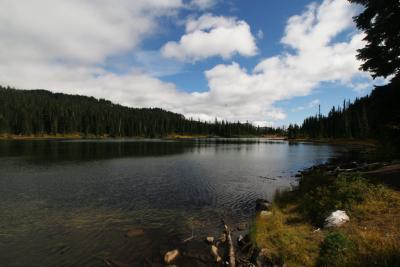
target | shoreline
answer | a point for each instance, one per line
(292, 231)
(79, 136)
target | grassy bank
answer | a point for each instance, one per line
(294, 233)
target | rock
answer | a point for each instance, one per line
(210, 239)
(214, 253)
(262, 204)
(336, 219)
(134, 232)
(374, 166)
(170, 256)
(242, 226)
(349, 165)
(265, 213)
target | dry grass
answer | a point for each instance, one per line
(187, 136)
(373, 232)
(287, 237)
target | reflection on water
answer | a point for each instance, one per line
(72, 203)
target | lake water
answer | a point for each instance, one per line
(71, 203)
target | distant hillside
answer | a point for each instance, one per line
(375, 116)
(36, 112)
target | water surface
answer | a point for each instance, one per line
(71, 203)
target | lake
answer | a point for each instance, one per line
(72, 203)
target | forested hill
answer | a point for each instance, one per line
(375, 116)
(37, 112)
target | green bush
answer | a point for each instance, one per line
(336, 250)
(340, 193)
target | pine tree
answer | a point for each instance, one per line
(380, 20)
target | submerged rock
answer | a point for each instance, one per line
(210, 239)
(336, 219)
(170, 256)
(134, 232)
(214, 252)
(241, 226)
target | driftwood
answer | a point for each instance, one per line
(231, 248)
(189, 238)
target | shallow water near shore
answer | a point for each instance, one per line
(74, 203)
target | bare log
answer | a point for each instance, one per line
(231, 248)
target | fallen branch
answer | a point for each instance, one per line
(231, 248)
(189, 238)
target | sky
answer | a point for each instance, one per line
(267, 62)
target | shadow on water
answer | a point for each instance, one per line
(81, 150)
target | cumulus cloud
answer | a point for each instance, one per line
(315, 58)
(209, 36)
(63, 45)
(83, 32)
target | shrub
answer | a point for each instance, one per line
(341, 193)
(336, 250)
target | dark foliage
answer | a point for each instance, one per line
(380, 22)
(35, 112)
(375, 116)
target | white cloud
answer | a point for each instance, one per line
(84, 32)
(314, 103)
(203, 4)
(62, 45)
(210, 36)
(311, 104)
(260, 34)
(316, 58)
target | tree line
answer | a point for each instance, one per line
(36, 112)
(374, 116)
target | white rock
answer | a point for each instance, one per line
(210, 239)
(337, 218)
(265, 213)
(214, 252)
(170, 256)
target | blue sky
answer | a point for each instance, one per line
(269, 62)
